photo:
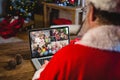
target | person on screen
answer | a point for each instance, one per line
(96, 56)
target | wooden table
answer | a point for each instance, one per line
(23, 71)
(73, 10)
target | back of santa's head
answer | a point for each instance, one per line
(108, 11)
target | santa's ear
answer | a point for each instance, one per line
(91, 14)
(118, 32)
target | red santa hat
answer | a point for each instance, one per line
(106, 5)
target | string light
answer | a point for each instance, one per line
(25, 7)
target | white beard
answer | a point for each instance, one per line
(105, 37)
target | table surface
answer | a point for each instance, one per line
(24, 71)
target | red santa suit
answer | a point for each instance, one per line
(94, 57)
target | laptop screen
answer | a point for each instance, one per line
(46, 42)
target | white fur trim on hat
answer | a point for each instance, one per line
(107, 5)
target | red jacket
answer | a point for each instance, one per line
(78, 62)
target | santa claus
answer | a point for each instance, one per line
(96, 56)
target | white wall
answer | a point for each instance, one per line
(65, 14)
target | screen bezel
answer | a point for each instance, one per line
(41, 29)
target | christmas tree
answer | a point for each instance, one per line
(24, 8)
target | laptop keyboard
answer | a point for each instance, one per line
(42, 60)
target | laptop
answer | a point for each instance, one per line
(45, 42)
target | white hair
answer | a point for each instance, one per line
(103, 37)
